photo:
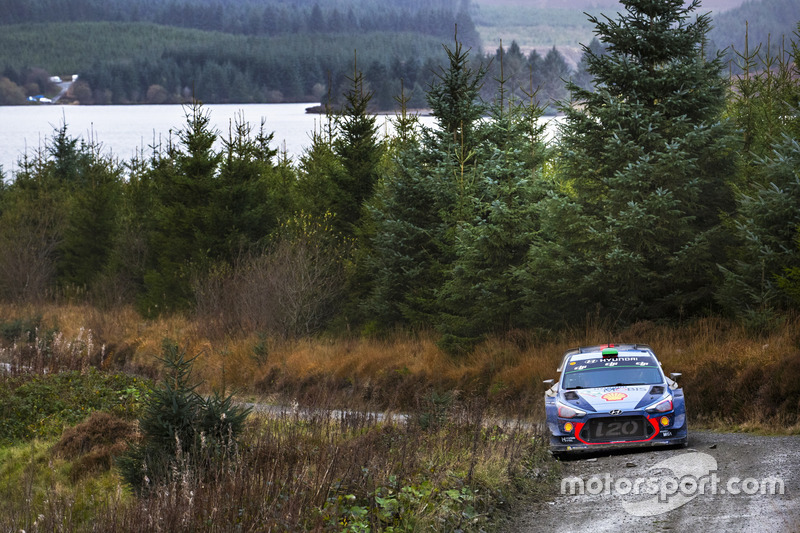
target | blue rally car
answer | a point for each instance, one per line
(613, 396)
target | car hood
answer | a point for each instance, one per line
(624, 398)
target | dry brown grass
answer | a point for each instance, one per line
(717, 357)
(93, 444)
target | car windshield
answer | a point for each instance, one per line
(594, 373)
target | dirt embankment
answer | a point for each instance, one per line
(722, 482)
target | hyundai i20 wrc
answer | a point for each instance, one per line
(613, 396)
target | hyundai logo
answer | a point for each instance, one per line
(615, 412)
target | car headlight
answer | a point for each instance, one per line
(565, 411)
(662, 406)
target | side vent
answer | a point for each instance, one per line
(658, 389)
(571, 395)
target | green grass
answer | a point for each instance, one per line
(37, 491)
(42, 405)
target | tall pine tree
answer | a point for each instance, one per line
(86, 250)
(644, 167)
(765, 104)
(182, 240)
(423, 198)
(360, 152)
(482, 293)
(246, 209)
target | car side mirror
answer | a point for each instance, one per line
(549, 382)
(675, 375)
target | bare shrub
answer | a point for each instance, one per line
(26, 262)
(290, 289)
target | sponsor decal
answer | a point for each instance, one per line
(637, 361)
(614, 396)
(624, 389)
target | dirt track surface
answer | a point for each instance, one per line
(676, 505)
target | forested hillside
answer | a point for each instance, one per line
(220, 51)
(142, 62)
(255, 17)
(274, 51)
(166, 52)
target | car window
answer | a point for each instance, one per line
(595, 373)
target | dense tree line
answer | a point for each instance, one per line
(218, 51)
(667, 195)
(258, 17)
(126, 63)
(141, 63)
(123, 57)
(276, 51)
(136, 63)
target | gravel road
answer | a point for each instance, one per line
(723, 482)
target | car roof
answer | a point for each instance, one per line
(593, 352)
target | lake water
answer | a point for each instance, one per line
(124, 131)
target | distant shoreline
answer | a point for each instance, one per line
(322, 110)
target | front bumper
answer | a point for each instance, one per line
(562, 442)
